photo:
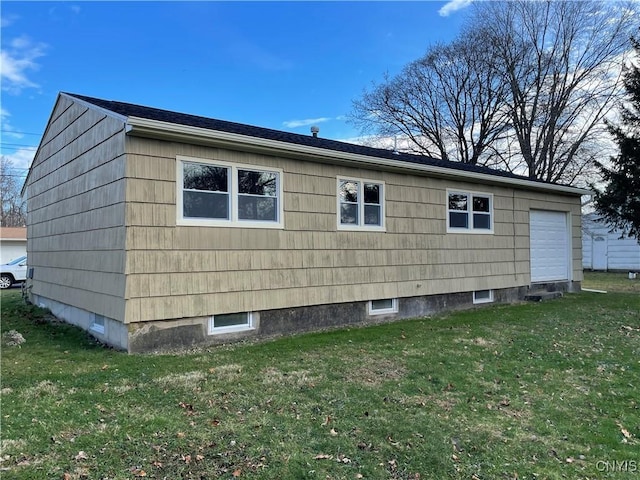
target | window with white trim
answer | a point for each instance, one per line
(483, 296)
(219, 193)
(230, 322)
(98, 324)
(469, 212)
(379, 307)
(360, 204)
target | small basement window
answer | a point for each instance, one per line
(483, 296)
(98, 324)
(230, 322)
(379, 307)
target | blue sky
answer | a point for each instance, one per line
(281, 65)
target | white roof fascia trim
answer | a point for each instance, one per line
(93, 106)
(144, 125)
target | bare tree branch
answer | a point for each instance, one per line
(13, 212)
(525, 88)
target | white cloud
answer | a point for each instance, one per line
(17, 61)
(453, 6)
(6, 21)
(21, 159)
(7, 129)
(305, 122)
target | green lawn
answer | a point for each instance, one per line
(532, 391)
(613, 282)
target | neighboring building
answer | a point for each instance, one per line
(603, 249)
(13, 243)
(156, 229)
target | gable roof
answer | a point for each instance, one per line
(144, 119)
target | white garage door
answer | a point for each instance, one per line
(549, 246)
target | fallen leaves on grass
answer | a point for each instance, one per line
(81, 456)
(628, 436)
(340, 458)
(138, 472)
(189, 410)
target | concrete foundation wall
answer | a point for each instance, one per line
(115, 333)
(180, 334)
(191, 332)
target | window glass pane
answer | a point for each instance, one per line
(348, 191)
(482, 294)
(481, 204)
(372, 215)
(481, 220)
(98, 323)
(230, 320)
(257, 208)
(386, 304)
(205, 205)
(372, 193)
(348, 214)
(457, 201)
(257, 183)
(198, 176)
(458, 220)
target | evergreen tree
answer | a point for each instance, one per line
(619, 203)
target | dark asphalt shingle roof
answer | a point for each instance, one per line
(132, 110)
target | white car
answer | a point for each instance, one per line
(13, 272)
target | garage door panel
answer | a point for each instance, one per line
(549, 246)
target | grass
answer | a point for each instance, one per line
(614, 282)
(545, 391)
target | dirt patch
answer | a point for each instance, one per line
(376, 371)
(188, 380)
(227, 372)
(44, 388)
(298, 378)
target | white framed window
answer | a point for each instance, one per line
(360, 204)
(230, 322)
(483, 296)
(212, 192)
(469, 212)
(380, 307)
(98, 324)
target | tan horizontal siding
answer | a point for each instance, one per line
(94, 240)
(99, 168)
(76, 211)
(183, 271)
(111, 306)
(109, 261)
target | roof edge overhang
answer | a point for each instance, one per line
(75, 99)
(144, 127)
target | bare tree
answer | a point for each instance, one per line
(562, 63)
(527, 89)
(13, 212)
(448, 103)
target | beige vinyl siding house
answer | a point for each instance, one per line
(153, 229)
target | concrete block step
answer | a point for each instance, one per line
(542, 296)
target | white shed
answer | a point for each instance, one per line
(605, 250)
